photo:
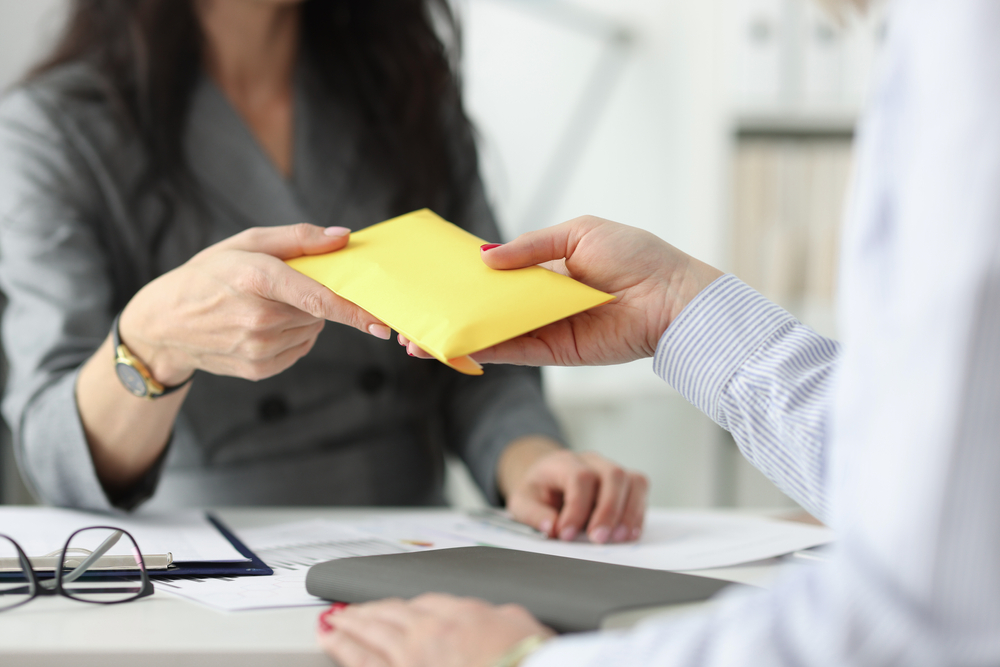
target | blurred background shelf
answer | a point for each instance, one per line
(784, 124)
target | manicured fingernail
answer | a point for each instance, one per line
(600, 535)
(380, 331)
(324, 619)
(489, 246)
(620, 534)
(336, 231)
(545, 527)
(636, 533)
(568, 534)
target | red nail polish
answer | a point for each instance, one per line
(324, 618)
(489, 246)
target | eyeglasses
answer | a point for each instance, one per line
(100, 564)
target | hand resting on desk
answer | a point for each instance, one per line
(429, 631)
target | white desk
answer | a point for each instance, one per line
(167, 630)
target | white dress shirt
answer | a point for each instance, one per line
(901, 452)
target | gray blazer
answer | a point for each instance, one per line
(357, 421)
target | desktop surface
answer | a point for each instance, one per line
(167, 630)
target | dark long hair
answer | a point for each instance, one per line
(397, 56)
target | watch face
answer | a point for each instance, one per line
(132, 379)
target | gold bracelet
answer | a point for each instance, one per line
(520, 651)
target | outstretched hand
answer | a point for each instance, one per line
(237, 309)
(651, 280)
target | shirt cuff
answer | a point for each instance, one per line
(713, 337)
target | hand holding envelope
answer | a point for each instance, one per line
(653, 282)
(424, 277)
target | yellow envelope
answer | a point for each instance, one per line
(424, 277)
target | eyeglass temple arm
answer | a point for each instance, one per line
(80, 569)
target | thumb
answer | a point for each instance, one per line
(533, 512)
(289, 241)
(543, 245)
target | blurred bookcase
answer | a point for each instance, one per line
(801, 72)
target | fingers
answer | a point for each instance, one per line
(630, 528)
(444, 604)
(606, 501)
(275, 280)
(411, 348)
(270, 278)
(544, 245)
(580, 488)
(432, 630)
(289, 241)
(621, 504)
(255, 369)
(534, 512)
(385, 628)
(349, 651)
(520, 351)
(564, 494)
(611, 497)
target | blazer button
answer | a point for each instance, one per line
(272, 408)
(371, 380)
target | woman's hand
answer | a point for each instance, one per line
(237, 309)
(432, 630)
(565, 494)
(651, 280)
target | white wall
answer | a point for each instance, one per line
(26, 29)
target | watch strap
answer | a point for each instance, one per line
(154, 389)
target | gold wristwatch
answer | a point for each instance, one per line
(134, 374)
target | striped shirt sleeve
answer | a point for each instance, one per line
(760, 374)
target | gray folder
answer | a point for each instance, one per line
(567, 594)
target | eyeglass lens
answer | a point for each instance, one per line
(92, 551)
(15, 585)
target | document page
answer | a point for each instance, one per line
(290, 550)
(187, 534)
(671, 540)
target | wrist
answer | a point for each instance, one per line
(683, 287)
(164, 364)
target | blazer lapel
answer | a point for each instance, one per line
(231, 166)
